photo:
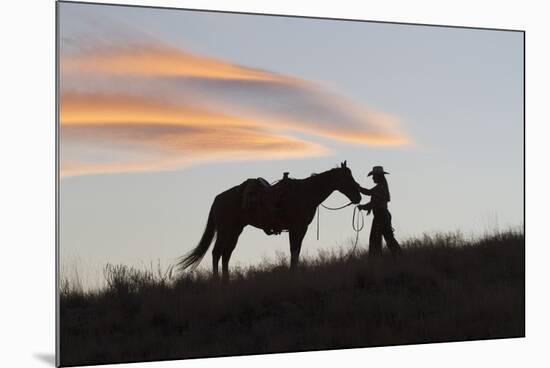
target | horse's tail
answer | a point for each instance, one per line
(193, 258)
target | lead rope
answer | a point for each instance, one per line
(356, 227)
(328, 208)
(357, 223)
(318, 223)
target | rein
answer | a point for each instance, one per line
(357, 222)
(336, 208)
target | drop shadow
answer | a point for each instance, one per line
(46, 358)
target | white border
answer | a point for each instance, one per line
(27, 234)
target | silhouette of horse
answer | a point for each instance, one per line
(228, 216)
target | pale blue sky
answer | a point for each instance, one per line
(457, 93)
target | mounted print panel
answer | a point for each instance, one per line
(235, 184)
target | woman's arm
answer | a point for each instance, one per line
(366, 207)
(365, 190)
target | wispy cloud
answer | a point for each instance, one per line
(163, 61)
(102, 133)
(158, 108)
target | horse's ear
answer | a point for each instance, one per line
(345, 164)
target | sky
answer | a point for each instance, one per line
(161, 110)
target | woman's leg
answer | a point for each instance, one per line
(387, 231)
(375, 239)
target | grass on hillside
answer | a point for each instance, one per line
(444, 288)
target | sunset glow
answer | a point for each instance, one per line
(156, 107)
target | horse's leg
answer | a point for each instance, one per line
(296, 235)
(216, 254)
(229, 245)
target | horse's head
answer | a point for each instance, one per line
(346, 184)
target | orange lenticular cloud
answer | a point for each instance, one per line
(88, 108)
(143, 135)
(152, 108)
(175, 151)
(163, 61)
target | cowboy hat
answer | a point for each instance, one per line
(377, 170)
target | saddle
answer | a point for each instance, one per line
(266, 204)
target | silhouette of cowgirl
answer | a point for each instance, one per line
(381, 222)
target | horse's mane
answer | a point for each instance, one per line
(326, 172)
